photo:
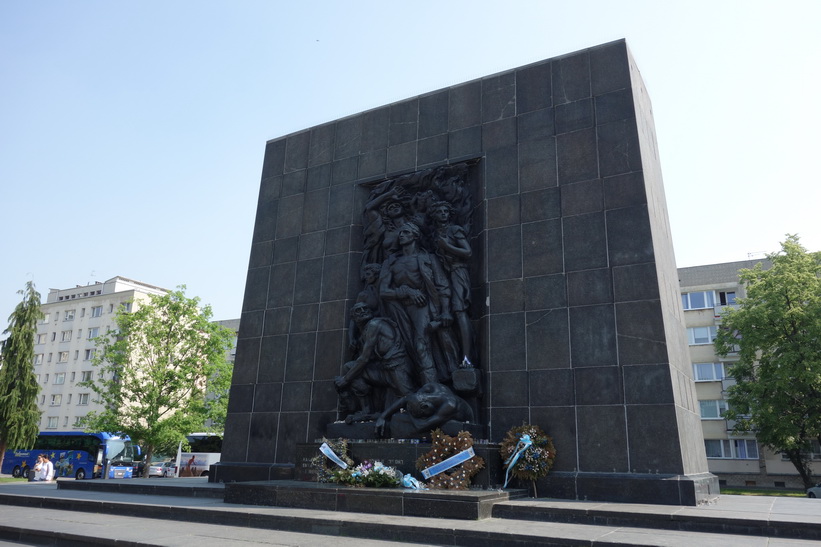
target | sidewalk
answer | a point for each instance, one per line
(42, 513)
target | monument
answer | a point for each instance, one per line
(490, 254)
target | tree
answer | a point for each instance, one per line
(162, 374)
(776, 332)
(19, 415)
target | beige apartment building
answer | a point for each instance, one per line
(738, 460)
(64, 345)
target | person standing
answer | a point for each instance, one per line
(44, 470)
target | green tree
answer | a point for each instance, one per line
(776, 333)
(162, 373)
(19, 415)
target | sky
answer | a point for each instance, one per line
(132, 133)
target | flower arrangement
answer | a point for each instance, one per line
(444, 447)
(371, 474)
(325, 468)
(528, 453)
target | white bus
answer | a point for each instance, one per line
(205, 450)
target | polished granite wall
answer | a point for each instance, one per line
(575, 292)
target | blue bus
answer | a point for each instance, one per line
(75, 454)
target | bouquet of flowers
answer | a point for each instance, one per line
(371, 474)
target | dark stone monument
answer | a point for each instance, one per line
(486, 255)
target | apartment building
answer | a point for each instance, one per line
(738, 460)
(64, 345)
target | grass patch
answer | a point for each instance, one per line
(12, 479)
(738, 491)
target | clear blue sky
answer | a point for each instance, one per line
(132, 133)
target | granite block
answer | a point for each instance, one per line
(504, 247)
(582, 197)
(256, 288)
(465, 106)
(274, 161)
(251, 324)
(542, 247)
(272, 353)
(501, 172)
(593, 336)
(375, 129)
(537, 164)
(315, 211)
(590, 287)
(499, 134)
(268, 397)
(499, 97)
(301, 350)
(553, 387)
(321, 146)
(404, 119)
(277, 321)
(571, 78)
(585, 242)
(545, 292)
(348, 137)
(629, 237)
(308, 281)
(602, 438)
(533, 88)
(296, 151)
(541, 205)
(508, 388)
(599, 386)
(548, 339)
(433, 114)
(507, 341)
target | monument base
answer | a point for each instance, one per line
(453, 504)
(688, 490)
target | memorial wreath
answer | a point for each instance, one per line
(443, 447)
(528, 454)
(325, 467)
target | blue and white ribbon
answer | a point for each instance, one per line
(409, 481)
(453, 461)
(524, 443)
(325, 449)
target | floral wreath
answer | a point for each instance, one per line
(325, 468)
(443, 447)
(534, 460)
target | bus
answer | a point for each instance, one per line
(204, 451)
(75, 454)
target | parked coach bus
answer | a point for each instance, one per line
(205, 450)
(75, 454)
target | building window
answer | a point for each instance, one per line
(701, 335)
(52, 422)
(68, 402)
(56, 400)
(708, 372)
(82, 399)
(37, 376)
(745, 449)
(46, 318)
(77, 421)
(49, 357)
(93, 333)
(65, 336)
(87, 376)
(739, 449)
(72, 376)
(111, 308)
(38, 359)
(60, 378)
(62, 357)
(42, 338)
(698, 300)
(713, 409)
(126, 307)
(97, 311)
(53, 336)
(726, 298)
(89, 355)
(69, 315)
(65, 421)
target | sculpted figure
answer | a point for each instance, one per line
(415, 293)
(368, 296)
(453, 249)
(430, 407)
(382, 363)
(384, 217)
